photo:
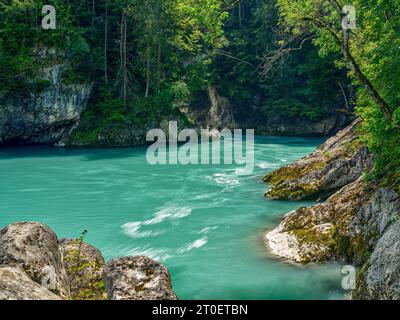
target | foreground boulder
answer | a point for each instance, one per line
(137, 278)
(34, 247)
(84, 265)
(16, 285)
(336, 163)
(35, 266)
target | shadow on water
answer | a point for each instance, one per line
(88, 154)
(288, 141)
(92, 154)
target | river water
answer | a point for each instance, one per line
(205, 223)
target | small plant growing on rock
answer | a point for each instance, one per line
(84, 271)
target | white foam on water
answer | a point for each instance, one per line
(194, 245)
(132, 229)
(203, 196)
(160, 254)
(171, 213)
(207, 230)
(225, 179)
(266, 165)
(33, 190)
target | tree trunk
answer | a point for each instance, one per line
(373, 93)
(147, 71)
(105, 46)
(240, 13)
(123, 57)
(125, 63)
(93, 11)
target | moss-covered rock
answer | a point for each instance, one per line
(326, 231)
(359, 225)
(338, 162)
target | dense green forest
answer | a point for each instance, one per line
(148, 59)
(151, 57)
(371, 53)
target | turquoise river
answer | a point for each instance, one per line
(205, 222)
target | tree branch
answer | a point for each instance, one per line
(274, 58)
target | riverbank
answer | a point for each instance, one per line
(357, 224)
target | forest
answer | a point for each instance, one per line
(150, 59)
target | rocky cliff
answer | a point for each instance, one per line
(339, 161)
(34, 265)
(45, 117)
(359, 224)
(211, 109)
(280, 125)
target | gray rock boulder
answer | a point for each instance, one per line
(380, 280)
(137, 278)
(16, 285)
(325, 231)
(336, 163)
(85, 266)
(34, 247)
(379, 277)
(359, 225)
(220, 114)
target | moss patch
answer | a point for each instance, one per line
(351, 147)
(284, 182)
(293, 172)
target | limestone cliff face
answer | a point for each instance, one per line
(220, 115)
(44, 118)
(336, 163)
(211, 109)
(358, 225)
(278, 125)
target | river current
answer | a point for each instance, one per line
(205, 223)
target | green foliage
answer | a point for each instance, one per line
(83, 272)
(293, 108)
(171, 98)
(383, 141)
(147, 57)
(305, 85)
(23, 41)
(374, 46)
